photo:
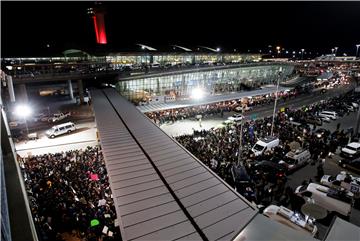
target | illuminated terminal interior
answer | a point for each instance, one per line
(74, 58)
(211, 82)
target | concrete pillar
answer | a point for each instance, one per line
(10, 88)
(71, 92)
(81, 91)
(22, 93)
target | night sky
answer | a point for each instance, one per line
(27, 27)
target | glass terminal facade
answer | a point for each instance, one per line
(116, 61)
(211, 82)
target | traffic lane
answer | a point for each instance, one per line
(187, 126)
(347, 121)
(309, 171)
(84, 135)
(42, 125)
(298, 102)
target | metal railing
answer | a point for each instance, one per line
(20, 218)
(5, 222)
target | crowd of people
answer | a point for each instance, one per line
(218, 148)
(172, 115)
(69, 193)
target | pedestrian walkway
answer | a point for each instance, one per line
(208, 99)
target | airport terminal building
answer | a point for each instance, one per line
(210, 80)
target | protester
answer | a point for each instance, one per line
(69, 192)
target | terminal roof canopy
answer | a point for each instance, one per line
(74, 53)
(342, 230)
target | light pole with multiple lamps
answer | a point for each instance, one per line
(241, 134)
(276, 98)
(278, 51)
(23, 111)
(357, 49)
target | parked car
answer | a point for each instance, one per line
(265, 144)
(314, 120)
(58, 117)
(245, 108)
(350, 108)
(337, 201)
(353, 165)
(87, 99)
(294, 220)
(40, 117)
(343, 179)
(325, 119)
(60, 129)
(236, 117)
(271, 170)
(331, 114)
(296, 159)
(16, 123)
(351, 150)
(50, 92)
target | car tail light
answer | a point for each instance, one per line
(280, 174)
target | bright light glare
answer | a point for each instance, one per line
(217, 49)
(197, 93)
(22, 111)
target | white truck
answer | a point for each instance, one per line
(58, 117)
(334, 200)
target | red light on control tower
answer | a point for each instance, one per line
(97, 13)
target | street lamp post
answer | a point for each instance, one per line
(27, 129)
(336, 48)
(302, 53)
(23, 111)
(241, 134)
(357, 49)
(276, 98)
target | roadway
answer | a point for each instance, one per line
(85, 135)
(209, 99)
(186, 126)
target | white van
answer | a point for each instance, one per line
(296, 159)
(291, 219)
(60, 129)
(265, 144)
(351, 150)
(330, 114)
(333, 200)
(155, 65)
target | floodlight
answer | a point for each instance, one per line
(22, 111)
(197, 93)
